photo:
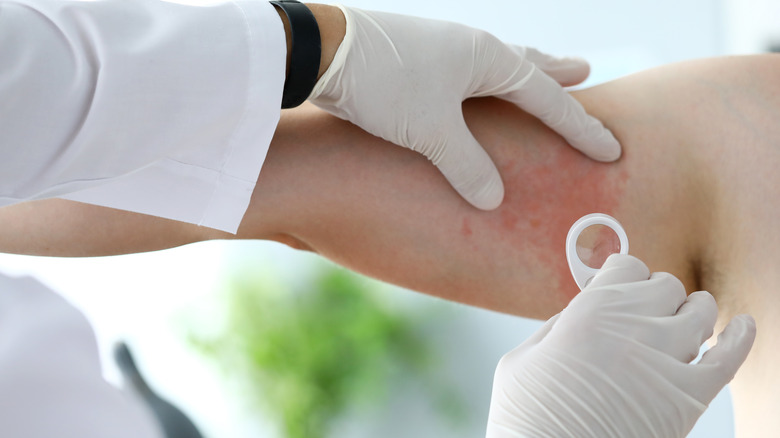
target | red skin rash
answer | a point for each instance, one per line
(546, 190)
(466, 229)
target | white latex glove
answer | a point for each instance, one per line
(616, 361)
(404, 78)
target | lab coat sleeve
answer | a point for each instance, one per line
(157, 107)
(50, 375)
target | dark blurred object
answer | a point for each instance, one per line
(774, 46)
(174, 423)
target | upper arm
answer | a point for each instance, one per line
(387, 212)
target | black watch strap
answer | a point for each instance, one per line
(304, 55)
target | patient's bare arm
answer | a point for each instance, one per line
(386, 212)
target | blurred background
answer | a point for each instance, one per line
(227, 331)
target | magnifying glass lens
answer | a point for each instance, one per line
(595, 244)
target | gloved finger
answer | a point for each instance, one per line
(681, 335)
(468, 168)
(620, 268)
(567, 71)
(696, 321)
(720, 363)
(541, 96)
(659, 296)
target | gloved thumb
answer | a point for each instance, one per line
(725, 358)
(469, 169)
(620, 268)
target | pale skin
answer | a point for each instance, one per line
(694, 191)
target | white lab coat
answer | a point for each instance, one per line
(157, 107)
(51, 383)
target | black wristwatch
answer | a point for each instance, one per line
(305, 52)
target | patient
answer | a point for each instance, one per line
(695, 191)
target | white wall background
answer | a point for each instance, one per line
(751, 25)
(143, 297)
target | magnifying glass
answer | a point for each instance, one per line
(590, 241)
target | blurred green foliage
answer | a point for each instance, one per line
(310, 352)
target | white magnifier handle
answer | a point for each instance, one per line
(583, 273)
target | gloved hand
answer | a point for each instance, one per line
(616, 361)
(404, 79)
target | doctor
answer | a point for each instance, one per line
(167, 109)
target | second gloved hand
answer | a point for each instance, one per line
(616, 361)
(404, 79)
